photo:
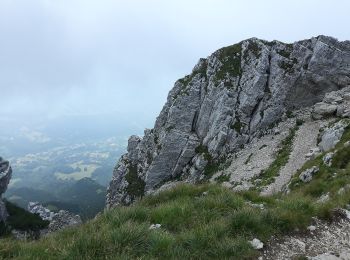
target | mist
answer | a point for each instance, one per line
(119, 59)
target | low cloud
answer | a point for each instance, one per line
(89, 57)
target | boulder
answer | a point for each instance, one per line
(306, 176)
(256, 243)
(155, 226)
(324, 198)
(323, 109)
(311, 228)
(331, 135)
(333, 98)
(313, 153)
(327, 159)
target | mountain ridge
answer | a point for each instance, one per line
(232, 97)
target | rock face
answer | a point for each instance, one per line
(332, 135)
(58, 221)
(63, 219)
(37, 208)
(5, 176)
(230, 98)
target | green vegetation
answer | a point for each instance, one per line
(289, 114)
(212, 166)
(287, 66)
(237, 126)
(21, 219)
(185, 81)
(231, 62)
(198, 222)
(222, 178)
(254, 48)
(169, 128)
(286, 52)
(136, 185)
(282, 156)
(299, 122)
(85, 197)
(328, 179)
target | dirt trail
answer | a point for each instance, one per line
(304, 140)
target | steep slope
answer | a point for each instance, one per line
(229, 100)
(85, 197)
(5, 176)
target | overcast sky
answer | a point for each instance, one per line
(81, 57)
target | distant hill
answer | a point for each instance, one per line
(85, 197)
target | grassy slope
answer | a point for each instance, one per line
(197, 226)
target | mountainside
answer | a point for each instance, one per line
(230, 102)
(85, 197)
(249, 159)
(5, 176)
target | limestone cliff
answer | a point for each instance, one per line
(231, 99)
(5, 176)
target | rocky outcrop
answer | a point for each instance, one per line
(331, 135)
(231, 98)
(58, 221)
(62, 220)
(306, 176)
(5, 176)
(37, 208)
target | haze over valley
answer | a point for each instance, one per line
(175, 129)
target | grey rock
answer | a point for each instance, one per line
(226, 184)
(331, 135)
(5, 176)
(327, 159)
(333, 98)
(255, 205)
(205, 193)
(25, 235)
(311, 228)
(322, 109)
(324, 198)
(313, 153)
(344, 255)
(341, 191)
(231, 97)
(344, 189)
(155, 226)
(61, 220)
(37, 208)
(256, 243)
(306, 176)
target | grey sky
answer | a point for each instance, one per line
(64, 57)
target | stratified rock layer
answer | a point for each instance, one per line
(230, 98)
